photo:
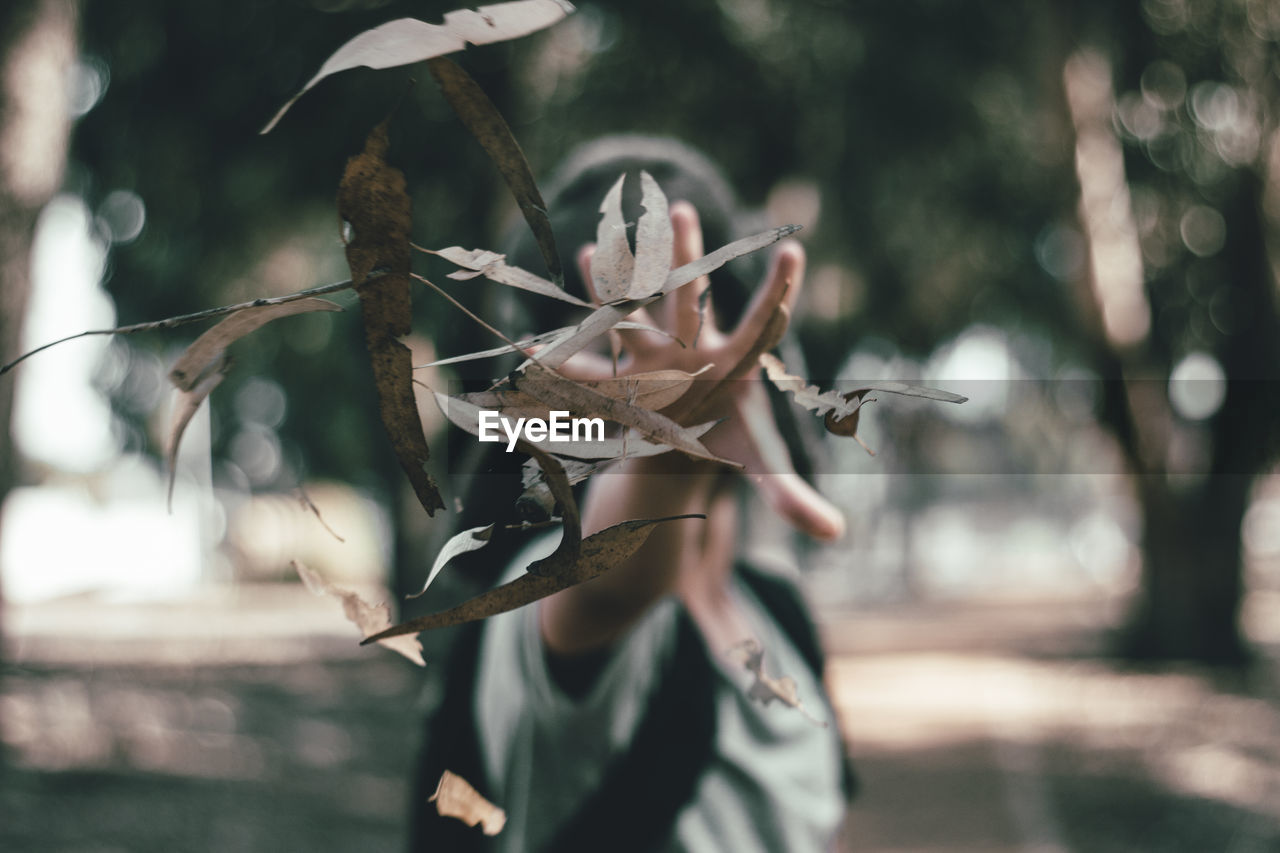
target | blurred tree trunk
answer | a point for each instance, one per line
(1193, 480)
(37, 48)
(1192, 583)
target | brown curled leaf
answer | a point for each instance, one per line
(374, 204)
(482, 119)
(455, 797)
(407, 40)
(600, 552)
(368, 618)
(185, 405)
(207, 350)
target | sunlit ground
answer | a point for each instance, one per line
(247, 719)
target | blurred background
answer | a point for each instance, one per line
(1055, 620)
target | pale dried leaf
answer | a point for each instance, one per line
(208, 349)
(837, 406)
(599, 553)
(680, 276)
(460, 543)
(455, 797)
(368, 618)
(407, 40)
(186, 403)
(764, 688)
(494, 267)
(608, 316)
(655, 389)
(612, 264)
(655, 240)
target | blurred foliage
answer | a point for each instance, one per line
(935, 135)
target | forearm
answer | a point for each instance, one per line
(594, 614)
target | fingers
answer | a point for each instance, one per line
(683, 315)
(781, 286)
(751, 438)
(767, 466)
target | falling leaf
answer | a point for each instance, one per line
(407, 40)
(765, 689)
(612, 264)
(494, 267)
(599, 553)
(655, 240)
(372, 199)
(460, 543)
(479, 116)
(185, 405)
(369, 618)
(208, 349)
(454, 797)
(840, 408)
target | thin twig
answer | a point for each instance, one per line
(183, 319)
(465, 310)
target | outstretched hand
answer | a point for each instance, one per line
(730, 388)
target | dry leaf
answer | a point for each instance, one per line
(479, 116)
(185, 406)
(372, 199)
(454, 797)
(208, 349)
(765, 689)
(655, 240)
(612, 264)
(599, 553)
(369, 618)
(494, 267)
(608, 316)
(841, 408)
(407, 40)
(460, 543)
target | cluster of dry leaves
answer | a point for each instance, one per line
(374, 206)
